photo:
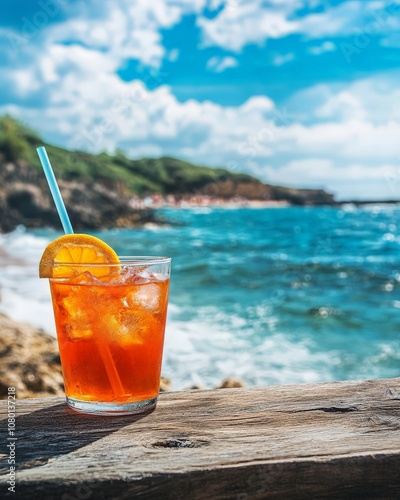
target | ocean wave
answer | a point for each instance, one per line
(202, 353)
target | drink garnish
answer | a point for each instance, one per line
(75, 249)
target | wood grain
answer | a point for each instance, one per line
(335, 440)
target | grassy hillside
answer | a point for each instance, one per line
(163, 175)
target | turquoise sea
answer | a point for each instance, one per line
(271, 296)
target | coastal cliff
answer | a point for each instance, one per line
(103, 191)
(25, 200)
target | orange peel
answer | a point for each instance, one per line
(76, 249)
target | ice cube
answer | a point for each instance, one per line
(85, 278)
(125, 328)
(78, 323)
(147, 296)
(112, 276)
(77, 330)
(131, 275)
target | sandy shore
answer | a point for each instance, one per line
(201, 201)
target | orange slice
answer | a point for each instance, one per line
(76, 249)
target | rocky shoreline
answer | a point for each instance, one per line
(25, 200)
(30, 362)
(107, 203)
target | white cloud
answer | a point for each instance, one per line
(173, 55)
(391, 40)
(280, 60)
(327, 46)
(247, 23)
(375, 100)
(220, 64)
(257, 21)
(124, 29)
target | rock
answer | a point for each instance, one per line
(231, 383)
(165, 384)
(252, 189)
(25, 200)
(29, 361)
(305, 197)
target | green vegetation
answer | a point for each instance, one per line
(16, 140)
(162, 175)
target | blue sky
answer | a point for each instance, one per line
(301, 93)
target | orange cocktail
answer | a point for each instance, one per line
(110, 321)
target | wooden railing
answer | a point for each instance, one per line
(335, 440)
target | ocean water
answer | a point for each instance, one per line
(272, 296)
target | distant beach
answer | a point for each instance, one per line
(198, 201)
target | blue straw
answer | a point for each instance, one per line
(54, 189)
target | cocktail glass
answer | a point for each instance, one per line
(110, 321)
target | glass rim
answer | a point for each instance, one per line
(137, 260)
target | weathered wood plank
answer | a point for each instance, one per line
(336, 440)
